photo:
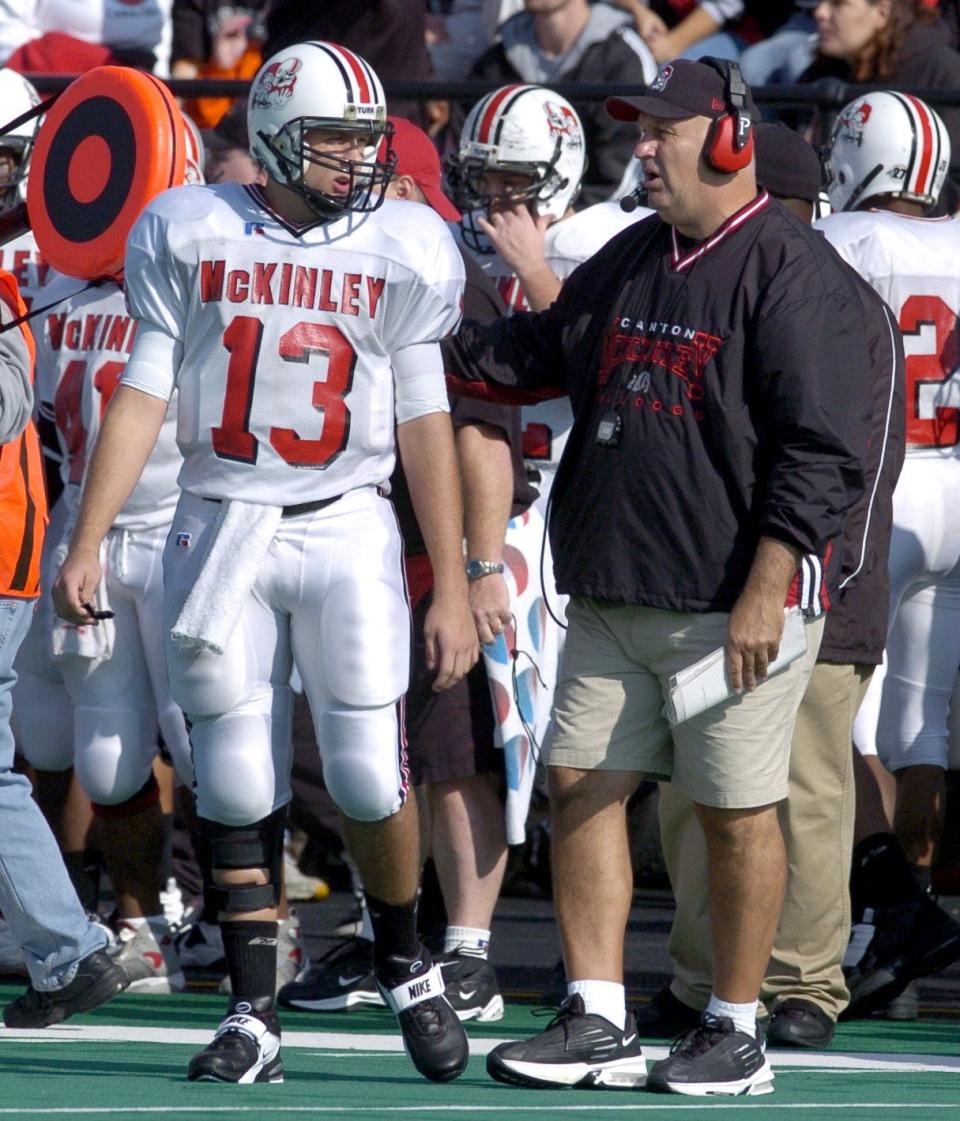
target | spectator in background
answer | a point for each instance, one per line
(722, 28)
(64, 37)
(228, 149)
(389, 34)
(898, 43)
(784, 55)
(557, 41)
(214, 40)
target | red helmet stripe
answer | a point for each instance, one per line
(359, 75)
(927, 166)
(486, 122)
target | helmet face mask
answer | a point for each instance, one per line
(18, 96)
(319, 87)
(886, 143)
(526, 133)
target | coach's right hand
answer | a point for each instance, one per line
(450, 637)
(76, 584)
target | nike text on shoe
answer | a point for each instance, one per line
(713, 1058)
(245, 1049)
(471, 987)
(342, 979)
(97, 979)
(576, 1049)
(149, 959)
(433, 1036)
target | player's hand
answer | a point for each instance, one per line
(516, 235)
(450, 638)
(76, 585)
(753, 639)
(649, 25)
(489, 600)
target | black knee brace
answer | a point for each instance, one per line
(243, 846)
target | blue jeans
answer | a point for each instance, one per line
(783, 57)
(36, 895)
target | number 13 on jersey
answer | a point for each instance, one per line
(302, 343)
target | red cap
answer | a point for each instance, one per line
(418, 158)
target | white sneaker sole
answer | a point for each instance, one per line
(759, 1083)
(621, 1074)
(175, 983)
(492, 1010)
(339, 1003)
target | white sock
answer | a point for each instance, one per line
(469, 940)
(366, 926)
(602, 998)
(134, 922)
(744, 1016)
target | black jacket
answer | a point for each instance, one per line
(743, 380)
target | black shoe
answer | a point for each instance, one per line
(245, 1049)
(97, 980)
(665, 1017)
(909, 940)
(800, 1023)
(576, 1049)
(340, 980)
(714, 1058)
(433, 1037)
(471, 987)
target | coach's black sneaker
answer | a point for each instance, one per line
(340, 980)
(471, 987)
(245, 1049)
(909, 940)
(576, 1049)
(98, 979)
(713, 1058)
(433, 1036)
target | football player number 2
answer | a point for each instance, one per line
(242, 339)
(933, 392)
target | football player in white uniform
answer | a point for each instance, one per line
(299, 322)
(515, 176)
(888, 157)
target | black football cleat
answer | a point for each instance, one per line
(245, 1049)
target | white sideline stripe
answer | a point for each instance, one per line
(345, 1043)
(354, 1110)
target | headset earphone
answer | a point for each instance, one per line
(729, 143)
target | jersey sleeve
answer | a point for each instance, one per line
(154, 280)
(431, 301)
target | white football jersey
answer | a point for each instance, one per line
(22, 259)
(567, 244)
(912, 263)
(82, 348)
(286, 385)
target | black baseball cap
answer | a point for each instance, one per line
(682, 89)
(786, 164)
(230, 131)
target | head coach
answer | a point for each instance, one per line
(721, 389)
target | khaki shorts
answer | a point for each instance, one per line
(608, 712)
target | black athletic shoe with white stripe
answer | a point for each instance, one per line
(245, 1049)
(342, 979)
(576, 1049)
(433, 1036)
(471, 987)
(713, 1058)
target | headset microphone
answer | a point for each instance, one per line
(629, 203)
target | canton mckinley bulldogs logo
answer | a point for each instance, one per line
(660, 82)
(276, 83)
(562, 122)
(850, 122)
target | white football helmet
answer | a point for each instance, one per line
(886, 143)
(520, 130)
(17, 96)
(321, 85)
(196, 152)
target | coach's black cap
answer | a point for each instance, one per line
(786, 164)
(683, 88)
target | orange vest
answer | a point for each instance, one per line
(23, 499)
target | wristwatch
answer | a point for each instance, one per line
(478, 568)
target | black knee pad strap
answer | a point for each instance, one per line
(259, 845)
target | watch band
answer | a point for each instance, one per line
(479, 568)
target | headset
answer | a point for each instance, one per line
(729, 143)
